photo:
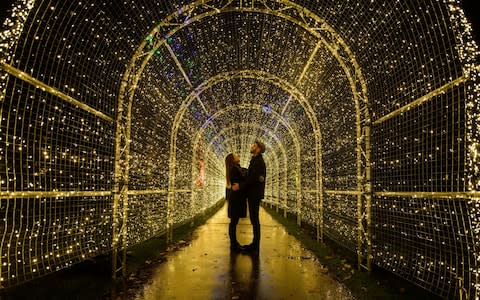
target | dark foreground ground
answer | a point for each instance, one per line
(199, 265)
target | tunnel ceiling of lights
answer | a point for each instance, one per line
(116, 117)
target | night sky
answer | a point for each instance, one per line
(4, 6)
(473, 16)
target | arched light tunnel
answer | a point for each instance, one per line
(116, 117)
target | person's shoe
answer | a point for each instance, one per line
(252, 247)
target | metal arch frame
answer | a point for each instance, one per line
(272, 79)
(469, 55)
(209, 156)
(275, 171)
(275, 160)
(288, 11)
(176, 125)
(255, 107)
(280, 118)
(248, 125)
(293, 91)
(230, 138)
(275, 163)
(283, 154)
(256, 126)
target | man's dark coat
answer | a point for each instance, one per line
(254, 183)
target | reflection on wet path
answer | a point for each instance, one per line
(206, 269)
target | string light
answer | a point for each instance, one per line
(65, 67)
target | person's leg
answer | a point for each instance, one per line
(253, 209)
(232, 233)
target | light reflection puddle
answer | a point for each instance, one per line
(206, 269)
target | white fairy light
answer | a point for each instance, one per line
(64, 65)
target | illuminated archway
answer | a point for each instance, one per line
(420, 67)
(262, 76)
(272, 158)
(292, 12)
(257, 107)
(268, 132)
(277, 156)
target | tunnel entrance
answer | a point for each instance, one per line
(116, 118)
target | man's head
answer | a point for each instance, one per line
(257, 147)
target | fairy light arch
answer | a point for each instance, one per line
(411, 78)
(281, 166)
(300, 16)
(271, 79)
(282, 147)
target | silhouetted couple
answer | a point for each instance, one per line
(245, 186)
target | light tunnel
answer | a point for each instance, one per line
(116, 117)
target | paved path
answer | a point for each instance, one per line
(206, 268)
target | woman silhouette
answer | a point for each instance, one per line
(237, 201)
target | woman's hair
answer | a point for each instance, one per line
(229, 163)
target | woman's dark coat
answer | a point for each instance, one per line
(237, 202)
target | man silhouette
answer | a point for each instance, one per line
(254, 187)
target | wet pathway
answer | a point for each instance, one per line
(206, 269)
